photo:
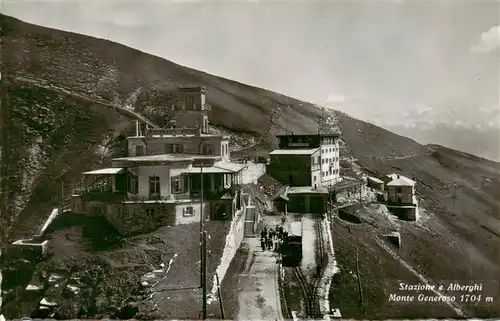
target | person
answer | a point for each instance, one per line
(263, 233)
(263, 243)
(283, 220)
(271, 233)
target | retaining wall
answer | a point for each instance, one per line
(27, 249)
(233, 242)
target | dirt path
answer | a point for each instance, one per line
(258, 293)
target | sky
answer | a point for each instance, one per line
(382, 61)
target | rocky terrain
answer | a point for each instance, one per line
(62, 95)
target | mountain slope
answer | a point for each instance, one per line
(57, 135)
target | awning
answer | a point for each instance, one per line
(206, 170)
(233, 167)
(106, 171)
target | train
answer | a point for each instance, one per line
(291, 251)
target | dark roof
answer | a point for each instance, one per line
(310, 135)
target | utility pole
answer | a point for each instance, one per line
(202, 227)
(204, 275)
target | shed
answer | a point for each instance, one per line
(375, 183)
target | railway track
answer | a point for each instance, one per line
(307, 292)
(309, 289)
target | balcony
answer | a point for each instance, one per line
(157, 198)
(173, 131)
(103, 195)
(212, 194)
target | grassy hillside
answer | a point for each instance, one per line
(55, 126)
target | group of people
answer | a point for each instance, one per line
(272, 238)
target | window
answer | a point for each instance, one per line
(318, 160)
(189, 103)
(227, 148)
(330, 171)
(315, 178)
(399, 190)
(154, 186)
(176, 185)
(207, 149)
(188, 211)
(150, 212)
(133, 184)
(174, 148)
(222, 150)
(139, 150)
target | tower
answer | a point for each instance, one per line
(191, 110)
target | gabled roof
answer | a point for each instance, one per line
(402, 181)
(297, 151)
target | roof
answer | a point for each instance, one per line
(206, 170)
(165, 158)
(376, 180)
(310, 135)
(306, 190)
(105, 171)
(233, 167)
(295, 229)
(392, 176)
(187, 136)
(308, 151)
(401, 181)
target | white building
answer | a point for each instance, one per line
(159, 182)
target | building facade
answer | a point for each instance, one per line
(401, 197)
(170, 175)
(306, 160)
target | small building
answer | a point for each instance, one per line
(304, 199)
(348, 188)
(401, 191)
(306, 160)
(375, 183)
(401, 197)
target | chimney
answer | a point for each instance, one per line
(137, 130)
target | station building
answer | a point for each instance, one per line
(308, 164)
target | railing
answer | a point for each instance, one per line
(171, 197)
(210, 195)
(105, 195)
(172, 131)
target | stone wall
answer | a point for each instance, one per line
(183, 213)
(233, 241)
(135, 218)
(27, 249)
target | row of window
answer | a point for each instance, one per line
(207, 149)
(327, 160)
(178, 185)
(186, 212)
(331, 172)
(329, 150)
(328, 140)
